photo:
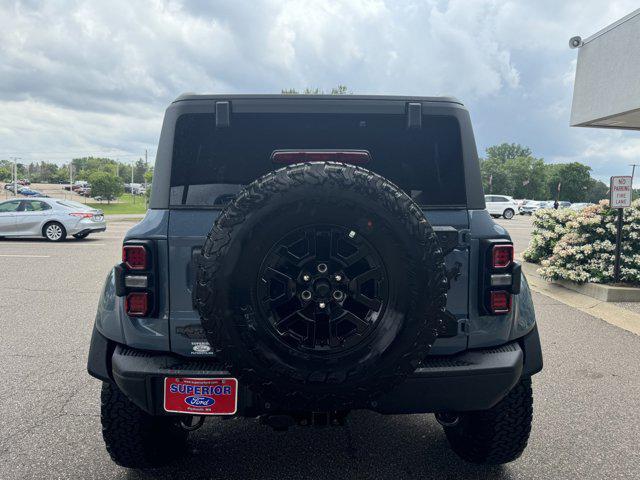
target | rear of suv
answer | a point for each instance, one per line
(307, 256)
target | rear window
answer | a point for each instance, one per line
(73, 204)
(211, 165)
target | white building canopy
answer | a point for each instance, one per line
(606, 93)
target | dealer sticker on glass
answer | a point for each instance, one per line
(201, 396)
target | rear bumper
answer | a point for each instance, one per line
(473, 380)
(87, 226)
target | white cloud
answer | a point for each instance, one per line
(85, 76)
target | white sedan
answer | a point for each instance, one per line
(50, 218)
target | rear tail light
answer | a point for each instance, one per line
(134, 257)
(499, 302)
(136, 304)
(81, 214)
(502, 255)
(500, 276)
(288, 157)
(136, 278)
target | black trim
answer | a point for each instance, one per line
(532, 349)
(414, 115)
(472, 380)
(99, 360)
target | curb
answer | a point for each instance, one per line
(610, 313)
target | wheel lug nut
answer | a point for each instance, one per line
(338, 278)
(306, 295)
(337, 294)
(322, 267)
(306, 277)
(322, 305)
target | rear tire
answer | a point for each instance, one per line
(54, 232)
(135, 439)
(498, 435)
(508, 214)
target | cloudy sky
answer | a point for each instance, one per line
(93, 78)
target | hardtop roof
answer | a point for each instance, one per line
(298, 97)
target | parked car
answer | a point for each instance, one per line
(49, 218)
(531, 206)
(579, 206)
(132, 187)
(28, 192)
(316, 286)
(501, 206)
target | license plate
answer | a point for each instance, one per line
(201, 396)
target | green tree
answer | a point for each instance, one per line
(6, 171)
(596, 191)
(139, 171)
(507, 151)
(495, 177)
(574, 179)
(520, 177)
(106, 185)
(527, 176)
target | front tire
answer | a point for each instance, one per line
(508, 214)
(54, 232)
(498, 435)
(135, 439)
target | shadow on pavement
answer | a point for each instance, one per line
(372, 446)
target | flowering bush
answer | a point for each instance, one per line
(580, 246)
(548, 227)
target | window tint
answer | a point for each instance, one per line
(35, 206)
(211, 165)
(11, 206)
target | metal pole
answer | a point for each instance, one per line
(616, 267)
(15, 174)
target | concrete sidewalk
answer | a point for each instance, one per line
(618, 314)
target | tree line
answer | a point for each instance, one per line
(511, 169)
(83, 168)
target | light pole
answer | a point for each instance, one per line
(15, 174)
(133, 197)
(71, 179)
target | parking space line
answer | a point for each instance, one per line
(23, 255)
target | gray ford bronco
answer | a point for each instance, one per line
(306, 256)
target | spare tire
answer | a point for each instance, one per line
(321, 285)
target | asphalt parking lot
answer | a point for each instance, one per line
(586, 424)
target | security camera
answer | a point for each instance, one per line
(575, 42)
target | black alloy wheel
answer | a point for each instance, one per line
(322, 288)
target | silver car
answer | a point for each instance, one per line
(50, 218)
